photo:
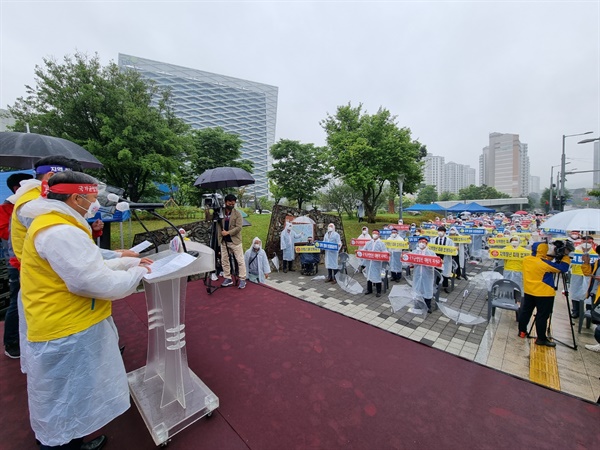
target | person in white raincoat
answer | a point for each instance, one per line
(395, 262)
(286, 241)
(257, 263)
(373, 268)
(363, 235)
(460, 256)
(331, 256)
(76, 380)
(513, 268)
(579, 283)
(442, 239)
(424, 276)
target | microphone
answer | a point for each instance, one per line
(124, 204)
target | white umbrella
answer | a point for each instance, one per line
(348, 284)
(303, 219)
(460, 315)
(275, 262)
(587, 219)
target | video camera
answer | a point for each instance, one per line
(561, 248)
(215, 202)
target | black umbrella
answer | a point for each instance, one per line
(23, 150)
(224, 177)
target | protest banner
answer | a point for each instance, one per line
(519, 253)
(358, 242)
(373, 256)
(395, 244)
(421, 260)
(577, 258)
(307, 249)
(443, 249)
(326, 245)
(460, 239)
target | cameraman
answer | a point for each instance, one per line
(230, 238)
(538, 285)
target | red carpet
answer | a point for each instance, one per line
(289, 374)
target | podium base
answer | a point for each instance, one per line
(163, 423)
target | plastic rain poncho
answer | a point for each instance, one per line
(423, 276)
(286, 242)
(373, 268)
(331, 256)
(395, 262)
(446, 259)
(363, 235)
(77, 384)
(260, 257)
(579, 283)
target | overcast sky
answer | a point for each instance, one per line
(452, 72)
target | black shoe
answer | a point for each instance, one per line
(12, 351)
(428, 310)
(545, 342)
(284, 270)
(378, 295)
(291, 270)
(95, 444)
(574, 315)
(446, 290)
(368, 292)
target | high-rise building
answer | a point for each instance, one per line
(504, 164)
(6, 120)
(433, 172)
(207, 100)
(534, 184)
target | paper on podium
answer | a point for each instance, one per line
(169, 265)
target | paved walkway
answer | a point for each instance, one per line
(495, 344)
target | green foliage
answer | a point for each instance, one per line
(366, 150)
(299, 170)
(595, 193)
(427, 194)
(125, 121)
(447, 196)
(340, 197)
(480, 193)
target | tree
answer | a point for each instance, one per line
(342, 198)
(427, 194)
(276, 192)
(480, 192)
(366, 150)
(126, 122)
(447, 196)
(300, 170)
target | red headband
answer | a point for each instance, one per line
(65, 188)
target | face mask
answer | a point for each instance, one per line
(256, 246)
(586, 246)
(394, 235)
(422, 245)
(441, 233)
(375, 236)
(92, 209)
(229, 207)
(514, 244)
(574, 237)
(329, 228)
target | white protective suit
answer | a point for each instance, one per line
(423, 276)
(331, 256)
(373, 268)
(260, 257)
(447, 259)
(77, 384)
(363, 235)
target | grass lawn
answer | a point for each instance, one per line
(260, 227)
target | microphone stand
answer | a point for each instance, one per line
(155, 214)
(150, 235)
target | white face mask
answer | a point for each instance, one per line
(329, 228)
(375, 236)
(92, 209)
(422, 245)
(586, 246)
(441, 233)
(256, 246)
(574, 237)
(515, 244)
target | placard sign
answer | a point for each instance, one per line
(358, 242)
(443, 249)
(471, 231)
(395, 244)
(373, 256)
(430, 232)
(307, 249)
(460, 239)
(577, 258)
(421, 260)
(519, 253)
(326, 245)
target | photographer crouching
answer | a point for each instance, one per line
(538, 285)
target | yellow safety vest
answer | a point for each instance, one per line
(51, 310)
(17, 229)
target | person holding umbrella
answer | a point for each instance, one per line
(230, 238)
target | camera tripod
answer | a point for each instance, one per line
(557, 278)
(214, 244)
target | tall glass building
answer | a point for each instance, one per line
(206, 100)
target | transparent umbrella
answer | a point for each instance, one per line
(348, 284)
(460, 315)
(402, 296)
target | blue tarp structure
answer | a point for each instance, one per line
(4, 191)
(430, 207)
(470, 207)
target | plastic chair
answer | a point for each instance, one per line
(504, 294)
(589, 314)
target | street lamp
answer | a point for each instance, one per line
(400, 189)
(550, 200)
(585, 141)
(562, 167)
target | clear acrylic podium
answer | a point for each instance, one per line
(169, 396)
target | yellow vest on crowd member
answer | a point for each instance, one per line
(51, 310)
(17, 229)
(576, 268)
(516, 265)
